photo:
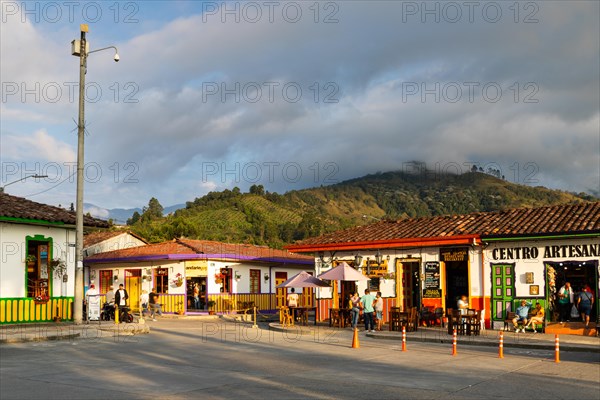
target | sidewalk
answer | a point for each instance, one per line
(539, 341)
(37, 332)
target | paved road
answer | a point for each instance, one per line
(187, 359)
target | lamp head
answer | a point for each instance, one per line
(117, 58)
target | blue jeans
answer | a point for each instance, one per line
(355, 312)
(155, 309)
(369, 320)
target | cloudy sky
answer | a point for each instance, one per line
(211, 95)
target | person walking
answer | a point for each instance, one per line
(154, 305)
(585, 301)
(367, 305)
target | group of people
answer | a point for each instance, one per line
(369, 305)
(149, 302)
(119, 299)
(571, 304)
(522, 316)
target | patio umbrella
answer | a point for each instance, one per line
(343, 272)
(302, 280)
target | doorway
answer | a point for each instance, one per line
(133, 278)
(581, 274)
(457, 282)
(200, 283)
(281, 296)
(410, 291)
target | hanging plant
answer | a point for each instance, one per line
(178, 280)
(58, 267)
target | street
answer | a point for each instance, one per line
(183, 359)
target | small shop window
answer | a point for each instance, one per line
(106, 280)
(161, 279)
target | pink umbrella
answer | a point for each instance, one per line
(303, 279)
(343, 272)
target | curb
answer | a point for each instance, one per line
(489, 343)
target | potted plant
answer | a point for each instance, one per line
(30, 260)
(211, 305)
(58, 267)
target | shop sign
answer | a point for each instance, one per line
(432, 293)
(532, 253)
(457, 254)
(377, 270)
(196, 268)
(432, 275)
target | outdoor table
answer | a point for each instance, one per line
(398, 319)
(301, 313)
(339, 317)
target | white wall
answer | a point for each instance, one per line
(13, 250)
(122, 241)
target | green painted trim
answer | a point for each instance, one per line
(31, 221)
(519, 238)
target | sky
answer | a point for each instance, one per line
(211, 95)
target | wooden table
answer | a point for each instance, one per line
(338, 317)
(301, 314)
(398, 319)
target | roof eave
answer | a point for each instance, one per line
(387, 244)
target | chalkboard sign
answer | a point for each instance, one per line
(432, 293)
(432, 275)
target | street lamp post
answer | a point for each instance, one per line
(36, 176)
(82, 52)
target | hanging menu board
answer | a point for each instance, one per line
(432, 275)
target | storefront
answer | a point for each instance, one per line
(535, 270)
(495, 259)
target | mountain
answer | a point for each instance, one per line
(273, 219)
(121, 215)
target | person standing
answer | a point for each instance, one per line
(110, 295)
(121, 297)
(354, 304)
(379, 310)
(196, 293)
(144, 299)
(154, 305)
(585, 301)
(292, 299)
(367, 305)
(565, 299)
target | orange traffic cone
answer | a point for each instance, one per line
(355, 344)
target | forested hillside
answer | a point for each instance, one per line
(273, 219)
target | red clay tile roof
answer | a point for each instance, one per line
(550, 220)
(182, 249)
(22, 210)
(93, 238)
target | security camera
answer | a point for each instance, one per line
(117, 58)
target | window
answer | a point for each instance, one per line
(37, 259)
(106, 280)
(161, 279)
(255, 281)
